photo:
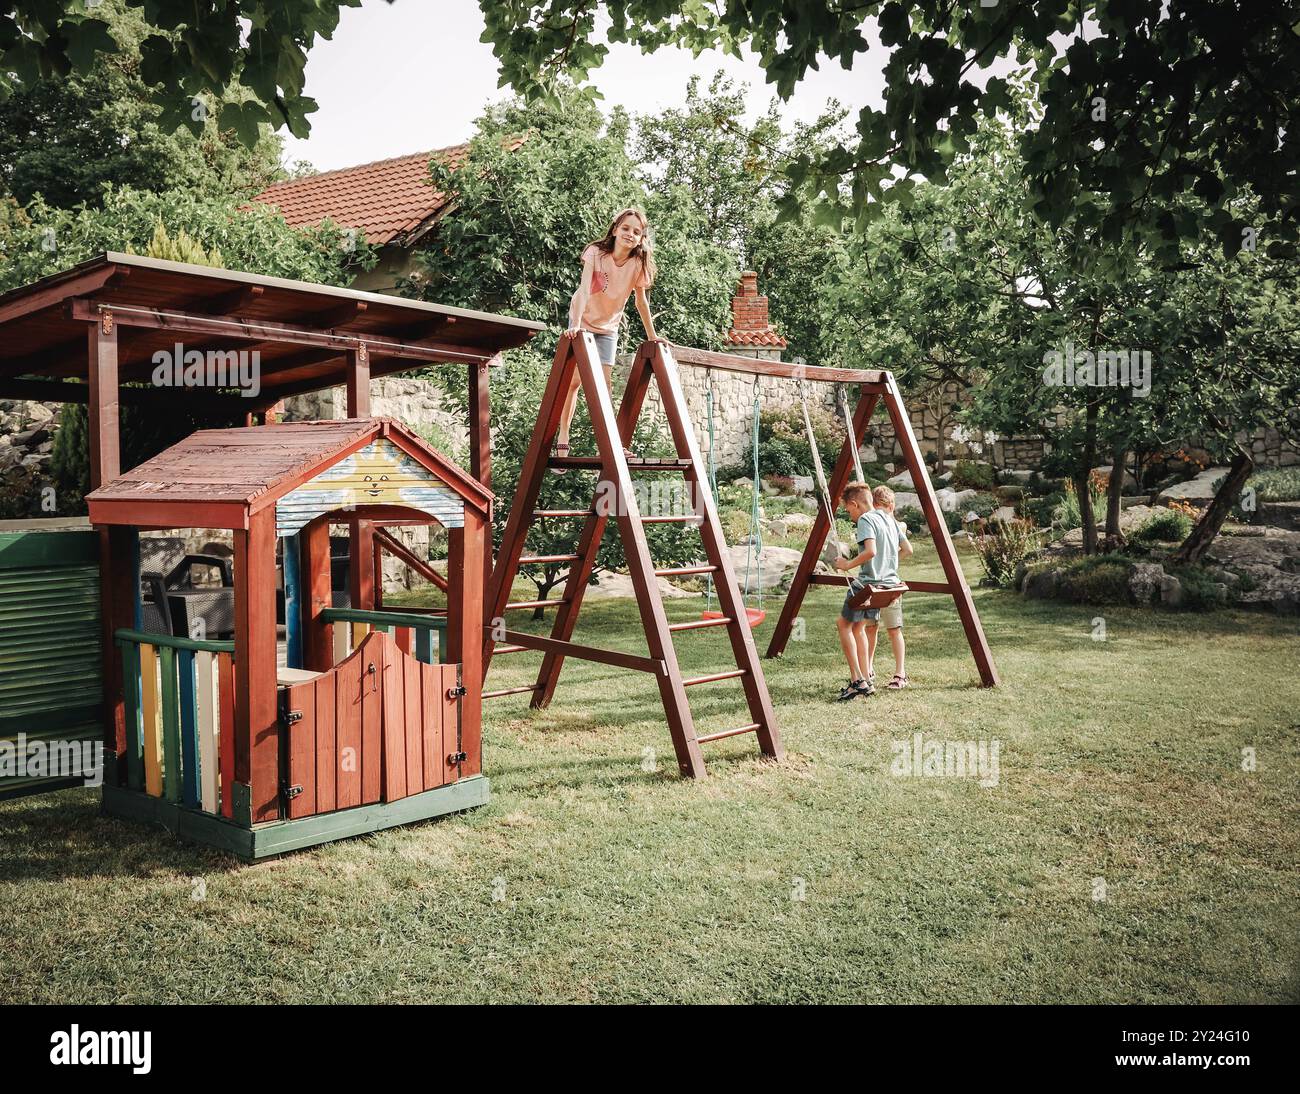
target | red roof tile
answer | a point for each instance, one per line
(767, 337)
(387, 199)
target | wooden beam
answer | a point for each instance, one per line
(102, 413)
(318, 649)
(53, 295)
(399, 550)
(233, 300)
(868, 379)
(198, 400)
(339, 315)
(358, 383)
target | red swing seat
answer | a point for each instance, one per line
(755, 616)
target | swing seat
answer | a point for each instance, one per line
(755, 615)
(877, 596)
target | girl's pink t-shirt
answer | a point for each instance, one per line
(611, 285)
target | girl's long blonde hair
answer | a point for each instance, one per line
(643, 251)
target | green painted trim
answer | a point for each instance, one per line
(40, 550)
(131, 702)
(171, 727)
(166, 641)
(384, 619)
(50, 720)
(27, 787)
(268, 840)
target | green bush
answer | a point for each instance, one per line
(914, 519)
(1276, 484)
(972, 476)
(1170, 526)
(1199, 591)
(783, 441)
(1097, 579)
(1003, 550)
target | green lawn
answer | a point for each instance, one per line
(1120, 760)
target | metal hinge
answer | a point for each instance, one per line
(457, 758)
(456, 692)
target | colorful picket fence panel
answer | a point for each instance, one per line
(180, 718)
(422, 636)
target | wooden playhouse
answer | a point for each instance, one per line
(359, 719)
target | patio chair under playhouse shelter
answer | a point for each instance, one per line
(375, 718)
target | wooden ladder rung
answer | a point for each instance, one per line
(670, 571)
(563, 512)
(520, 605)
(691, 681)
(509, 691)
(752, 727)
(689, 518)
(699, 624)
(658, 465)
(526, 560)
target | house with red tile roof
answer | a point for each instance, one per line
(752, 333)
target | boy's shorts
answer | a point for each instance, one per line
(891, 615)
(857, 615)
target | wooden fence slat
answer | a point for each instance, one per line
(302, 749)
(372, 723)
(226, 734)
(326, 743)
(171, 726)
(394, 719)
(133, 705)
(359, 632)
(341, 632)
(431, 722)
(411, 724)
(189, 728)
(347, 727)
(403, 636)
(204, 670)
(424, 644)
(152, 730)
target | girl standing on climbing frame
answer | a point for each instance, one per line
(613, 269)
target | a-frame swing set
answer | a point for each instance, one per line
(613, 494)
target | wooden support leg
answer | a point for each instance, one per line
(821, 526)
(317, 638)
(119, 554)
(480, 443)
(467, 640)
(257, 727)
(952, 570)
(658, 638)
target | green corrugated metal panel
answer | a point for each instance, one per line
(50, 670)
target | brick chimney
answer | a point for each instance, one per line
(751, 331)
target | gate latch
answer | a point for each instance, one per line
(291, 716)
(457, 758)
(291, 792)
(456, 692)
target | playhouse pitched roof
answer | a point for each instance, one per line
(250, 468)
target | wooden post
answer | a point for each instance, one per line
(119, 568)
(291, 557)
(317, 644)
(102, 413)
(821, 526)
(361, 548)
(467, 642)
(480, 445)
(257, 727)
(952, 570)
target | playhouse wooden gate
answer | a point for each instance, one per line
(379, 726)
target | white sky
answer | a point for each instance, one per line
(413, 75)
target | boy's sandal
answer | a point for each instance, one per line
(897, 683)
(867, 686)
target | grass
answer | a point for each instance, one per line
(1120, 760)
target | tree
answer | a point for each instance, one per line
(194, 48)
(66, 136)
(1142, 99)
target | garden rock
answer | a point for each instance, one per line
(1004, 514)
(905, 500)
(1104, 471)
(1199, 491)
(616, 585)
(903, 478)
(1145, 581)
(798, 522)
(1042, 585)
(803, 484)
(1171, 591)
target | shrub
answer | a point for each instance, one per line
(1199, 589)
(783, 441)
(1171, 526)
(972, 476)
(782, 484)
(735, 525)
(1276, 484)
(1003, 550)
(1097, 579)
(914, 519)
(1067, 513)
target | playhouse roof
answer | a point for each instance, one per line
(217, 477)
(301, 331)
